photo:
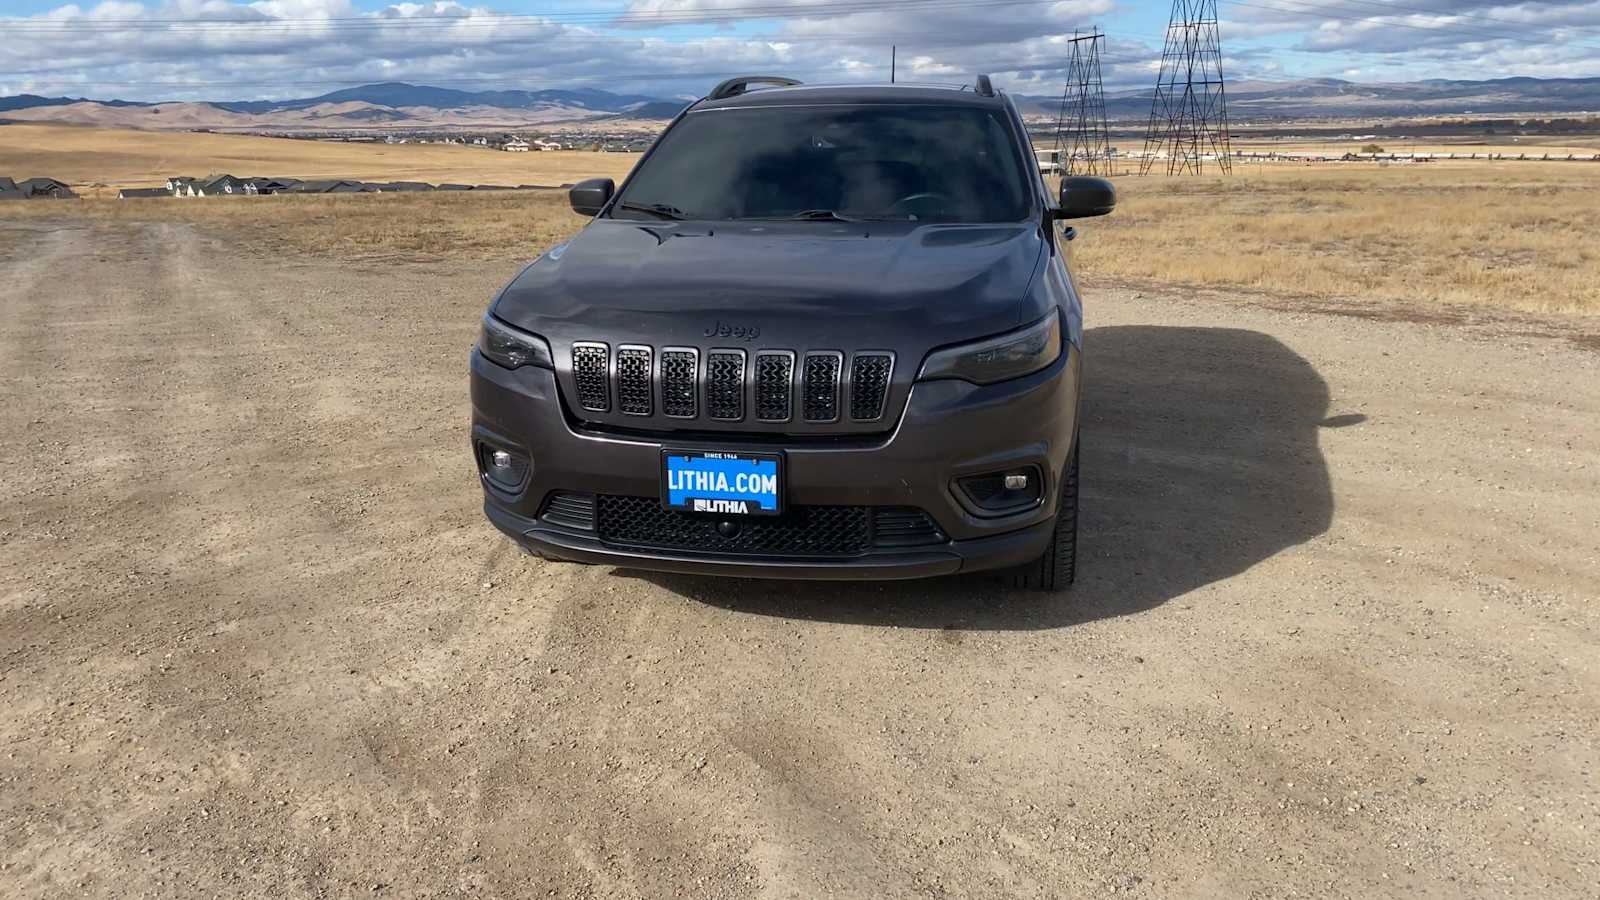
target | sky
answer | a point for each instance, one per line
(276, 49)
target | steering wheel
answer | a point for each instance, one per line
(922, 197)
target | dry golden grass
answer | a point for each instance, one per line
(1513, 235)
(118, 158)
(400, 227)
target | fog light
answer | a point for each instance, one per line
(1004, 492)
(503, 468)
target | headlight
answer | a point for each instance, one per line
(1012, 355)
(512, 348)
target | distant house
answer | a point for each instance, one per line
(493, 187)
(327, 186)
(393, 186)
(272, 185)
(455, 187)
(36, 188)
(10, 191)
(142, 193)
(224, 186)
(516, 145)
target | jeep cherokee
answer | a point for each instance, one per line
(818, 332)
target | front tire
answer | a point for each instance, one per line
(1056, 568)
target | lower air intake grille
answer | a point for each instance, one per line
(869, 385)
(816, 531)
(571, 510)
(678, 389)
(904, 528)
(633, 381)
(725, 385)
(820, 387)
(589, 369)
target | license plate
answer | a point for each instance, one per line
(722, 483)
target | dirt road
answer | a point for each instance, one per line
(1336, 634)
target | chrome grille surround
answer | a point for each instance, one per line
(635, 393)
(591, 370)
(725, 385)
(819, 385)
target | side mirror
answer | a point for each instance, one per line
(1083, 197)
(591, 196)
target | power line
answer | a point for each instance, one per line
(1189, 114)
(618, 20)
(1305, 8)
(38, 83)
(1083, 139)
(1395, 8)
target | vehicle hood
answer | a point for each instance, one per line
(808, 285)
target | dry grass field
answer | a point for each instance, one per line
(104, 160)
(1509, 235)
(501, 225)
(1514, 236)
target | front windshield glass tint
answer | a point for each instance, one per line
(913, 163)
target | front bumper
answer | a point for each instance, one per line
(567, 545)
(948, 429)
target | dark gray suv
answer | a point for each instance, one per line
(819, 332)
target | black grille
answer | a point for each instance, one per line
(571, 510)
(677, 383)
(734, 385)
(633, 381)
(802, 531)
(725, 385)
(820, 387)
(589, 365)
(904, 528)
(818, 531)
(774, 386)
(869, 384)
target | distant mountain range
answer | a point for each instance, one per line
(1331, 98)
(399, 105)
(390, 104)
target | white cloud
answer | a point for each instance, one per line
(185, 49)
(222, 49)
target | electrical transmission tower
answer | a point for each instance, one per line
(1083, 144)
(1189, 117)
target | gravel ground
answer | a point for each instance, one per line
(1336, 631)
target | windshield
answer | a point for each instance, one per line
(913, 163)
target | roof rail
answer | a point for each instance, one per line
(985, 88)
(733, 87)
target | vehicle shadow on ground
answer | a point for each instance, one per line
(1200, 460)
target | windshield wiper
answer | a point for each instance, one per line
(826, 215)
(660, 210)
